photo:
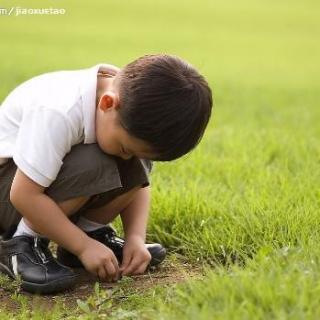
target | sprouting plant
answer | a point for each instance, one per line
(98, 304)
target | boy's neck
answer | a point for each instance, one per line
(104, 83)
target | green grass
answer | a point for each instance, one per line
(245, 203)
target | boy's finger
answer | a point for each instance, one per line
(125, 262)
(102, 274)
(111, 271)
(134, 264)
(116, 267)
(115, 263)
(141, 265)
(141, 269)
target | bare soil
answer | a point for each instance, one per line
(166, 274)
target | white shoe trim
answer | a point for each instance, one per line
(14, 262)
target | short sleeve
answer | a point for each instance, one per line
(44, 138)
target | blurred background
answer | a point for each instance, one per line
(260, 57)
(249, 194)
(241, 43)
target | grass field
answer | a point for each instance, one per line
(243, 208)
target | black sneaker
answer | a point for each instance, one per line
(107, 235)
(30, 258)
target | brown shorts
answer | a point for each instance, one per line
(86, 171)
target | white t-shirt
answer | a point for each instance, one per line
(45, 116)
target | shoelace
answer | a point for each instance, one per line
(41, 249)
(117, 240)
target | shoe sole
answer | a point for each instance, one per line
(43, 288)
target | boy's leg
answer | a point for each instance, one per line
(88, 176)
(27, 257)
(104, 207)
(111, 209)
(102, 215)
(9, 217)
(71, 206)
(87, 173)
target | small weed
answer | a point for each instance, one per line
(101, 304)
(9, 284)
(97, 304)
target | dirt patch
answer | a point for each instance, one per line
(170, 272)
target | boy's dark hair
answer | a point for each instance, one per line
(164, 102)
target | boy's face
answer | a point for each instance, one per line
(112, 138)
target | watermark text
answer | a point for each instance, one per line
(20, 11)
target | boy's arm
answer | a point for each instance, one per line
(47, 218)
(135, 216)
(134, 219)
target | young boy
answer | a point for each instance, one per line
(80, 145)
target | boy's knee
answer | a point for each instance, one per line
(119, 196)
(86, 171)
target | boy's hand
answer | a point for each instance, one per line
(99, 260)
(136, 256)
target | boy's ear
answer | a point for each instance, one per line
(108, 100)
